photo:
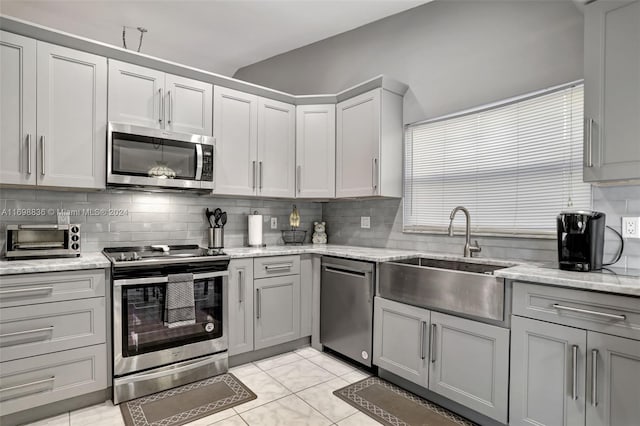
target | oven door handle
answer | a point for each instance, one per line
(162, 280)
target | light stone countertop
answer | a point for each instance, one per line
(351, 252)
(595, 281)
(87, 260)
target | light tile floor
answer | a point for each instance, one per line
(295, 388)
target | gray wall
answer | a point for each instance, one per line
(343, 227)
(452, 54)
(152, 218)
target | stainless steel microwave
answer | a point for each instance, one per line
(144, 157)
(42, 240)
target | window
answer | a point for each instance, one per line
(514, 165)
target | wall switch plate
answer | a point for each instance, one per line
(365, 222)
(631, 227)
(274, 223)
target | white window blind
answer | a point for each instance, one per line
(515, 166)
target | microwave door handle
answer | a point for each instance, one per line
(199, 161)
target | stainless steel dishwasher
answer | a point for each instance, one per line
(346, 307)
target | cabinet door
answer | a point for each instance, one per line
(188, 105)
(614, 389)
(612, 90)
(277, 307)
(316, 151)
(470, 364)
(136, 95)
(235, 117)
(276, 148)
(401, 340)
(358, 145)
(240, 306)
(72, 117)
(547, 381)
(17, 109)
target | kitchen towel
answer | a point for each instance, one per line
(179, 302)
(255, 230)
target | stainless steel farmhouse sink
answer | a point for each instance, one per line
(460, 287)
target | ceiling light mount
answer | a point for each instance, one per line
(142, 31)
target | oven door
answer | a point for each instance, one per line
(142, 340)
(140, 156)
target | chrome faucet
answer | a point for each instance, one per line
(468, 248)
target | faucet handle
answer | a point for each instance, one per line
(475, 247)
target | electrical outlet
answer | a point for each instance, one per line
(365, 222)
(631, 227)
(274, 223)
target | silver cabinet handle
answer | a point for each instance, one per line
(423, 327)
(299, 178)
(589, 138)
(240, 285)
(432, 343)
(574, 371)
(42, 145)
(254, 174)
(594, 377)
(170, 119)
(20, 333)
(29, 154)
(278, 267)
(619, 317)
(260, 165)
(160, 105)
(24, 385)
(19, 291)
(374, 174)
(258, 307)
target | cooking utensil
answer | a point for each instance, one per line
(209, 213)
(223, 219)
(217, 213)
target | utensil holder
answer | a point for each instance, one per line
(216, 238)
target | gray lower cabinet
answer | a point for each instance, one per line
(240, 306)
(28, 382)
(613, 374)
(469, 364)
(277, 310)
(547, 373)
(400, 340)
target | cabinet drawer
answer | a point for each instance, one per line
(27, 289)
(606, 313)
(43, 379)
(51, 327)
(276, 266)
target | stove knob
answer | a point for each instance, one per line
(135, 256)
(75, 246)
(122, 257)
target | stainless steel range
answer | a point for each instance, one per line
(151, 352)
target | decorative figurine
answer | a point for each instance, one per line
(319, 234)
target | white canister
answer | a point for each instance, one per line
(255, 230)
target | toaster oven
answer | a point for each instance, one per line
(42, 240)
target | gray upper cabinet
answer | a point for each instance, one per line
(369, 145)
(401, 340)
(255, 145)
(277, 310)
(276, 148)
(469, 364)
(150, 98)
(612, 91)
(240, 306)
(315, 151)
(236, 132)
(72, 117)
(17, 109)
(613, 374)
(65, 146)
(547, 374)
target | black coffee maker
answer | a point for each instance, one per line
(581, 240)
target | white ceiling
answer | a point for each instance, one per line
(215, 35)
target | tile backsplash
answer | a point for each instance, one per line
(139, 218)
(343, 227)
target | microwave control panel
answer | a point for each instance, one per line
(207, 163)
